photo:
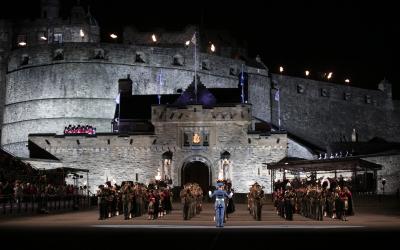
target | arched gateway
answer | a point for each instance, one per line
(197, 169)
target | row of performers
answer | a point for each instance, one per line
(191, 198)
(313, 201)
(255, 200)
(134, 200)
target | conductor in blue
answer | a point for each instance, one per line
(220, 195)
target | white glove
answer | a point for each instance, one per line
(209, 192)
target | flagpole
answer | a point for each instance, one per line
(242, 83)
(119, 108)
(195, 68)
(279, 111)
(159, 88)
(279, 115)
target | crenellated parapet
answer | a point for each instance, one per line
(196, 114)
(129, 55)
(309, 107)
(328, 91)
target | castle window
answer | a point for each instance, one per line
(3, 36)
(324, 93)
(98, 54)
(205, 65)
(347, 96)
(205, 139)
(58, 55)
(275, 84)
(368, 99)
(186, 139)
(178, 60)
(24, 60)
(232, 71)
(139, 57)
(58, 38)
(300, 88)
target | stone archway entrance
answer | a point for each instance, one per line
(196, 171)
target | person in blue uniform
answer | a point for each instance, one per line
(220, 195)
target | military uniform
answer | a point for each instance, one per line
(289, 204)
(219, 205)
(127, 198)
(102, 202)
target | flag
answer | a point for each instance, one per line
(242, 84)
(193, 40)
(160, 78)
(117, 99)
(159, 87)
(277, 95)
(241, 78)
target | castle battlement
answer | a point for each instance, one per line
(197, 113)
(73, 79)
(308, 88)
(129, 55)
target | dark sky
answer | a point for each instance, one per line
(353, 39)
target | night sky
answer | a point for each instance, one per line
(355, 40)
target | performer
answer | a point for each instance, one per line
(219, 206)
(231, 206)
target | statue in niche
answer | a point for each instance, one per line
(224, 171)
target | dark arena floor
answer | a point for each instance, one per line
(376, 224)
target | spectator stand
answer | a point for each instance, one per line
(364, 173)
(79, 130)
(28, 190)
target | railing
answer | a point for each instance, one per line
(43, 204)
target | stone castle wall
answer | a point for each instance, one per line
(33, 32)
(296, 149)
(5, 42)
(46, 95)
(390, 171)
(309, 107)
(124, 158)
(259, 94)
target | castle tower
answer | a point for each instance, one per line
(77, 14)
(94, 29)
(386, 87)
(50, 9)
(5, 47)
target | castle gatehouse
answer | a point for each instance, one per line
(186, 142)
